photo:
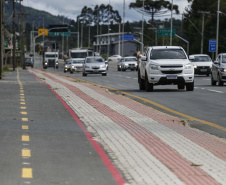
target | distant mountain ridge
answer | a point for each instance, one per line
(35, 15)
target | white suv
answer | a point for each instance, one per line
(164, 65)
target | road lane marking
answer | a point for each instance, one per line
(24, 119)
(215, 91)
(25, 138)
(27, 173)
(157, 105)
(25, 127)
(26, 153)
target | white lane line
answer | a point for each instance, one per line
(215, 91)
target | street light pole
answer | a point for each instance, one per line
(142, 37)
(217, 34)
(171, 27)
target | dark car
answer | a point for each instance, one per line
(218, 73)
(119, 64)
(29, 62)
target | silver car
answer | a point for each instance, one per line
(94, 65)
(218, 73)
(129, 63)
(76, 65)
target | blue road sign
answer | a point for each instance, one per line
(212, 45)
(127, 37)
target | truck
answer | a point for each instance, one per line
(165, 65)
(81, 53)
(50, 59)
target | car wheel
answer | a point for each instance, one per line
(190, 86)
(212, 81)
(207, 74)
(149, 87)
(84, 74)
(180, 86)
(141, 82)
(119, 69)
(71, 72)
(220, 83)
(105, 74)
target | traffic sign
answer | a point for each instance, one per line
(212, 45)
(166, 32)
(127, 37)
(41, 30)
(60, 34)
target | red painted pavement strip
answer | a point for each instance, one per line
(115, 174)
(170, 158)
(207, 141)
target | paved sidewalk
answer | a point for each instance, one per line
(149, 147)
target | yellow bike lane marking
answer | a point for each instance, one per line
(26, 173)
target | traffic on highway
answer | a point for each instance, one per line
(117, 93)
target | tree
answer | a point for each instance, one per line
(153, 8)
(192, 24)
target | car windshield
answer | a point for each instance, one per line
(201, 59)
(79, 55)
(78, 61)
(51, 56)
(94, 60)
(223, 58)
(68, 62)
(167, 54)
(28, 59)
(130, 59)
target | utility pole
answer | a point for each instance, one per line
(217, 34)
(14, 37)
(1, 35)
(202, 38)
(23, 39)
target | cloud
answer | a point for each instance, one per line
(72, 8)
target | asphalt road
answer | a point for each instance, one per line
(206, 103)
(37, 133)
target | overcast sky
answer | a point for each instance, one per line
(72, 8)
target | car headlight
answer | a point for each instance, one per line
(56, 63)
(73, 67)
(66, 66)
(195, 66)
(45, 63)
(153, 67)
(223, 70)
(103, 66)
(188, 66)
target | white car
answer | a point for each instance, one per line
(114, 58)
(76, 65)
(94, 65)
(202, 63)
(165, 65)
(67, 65)
(129, 63)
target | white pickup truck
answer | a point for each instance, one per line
(165, 65)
